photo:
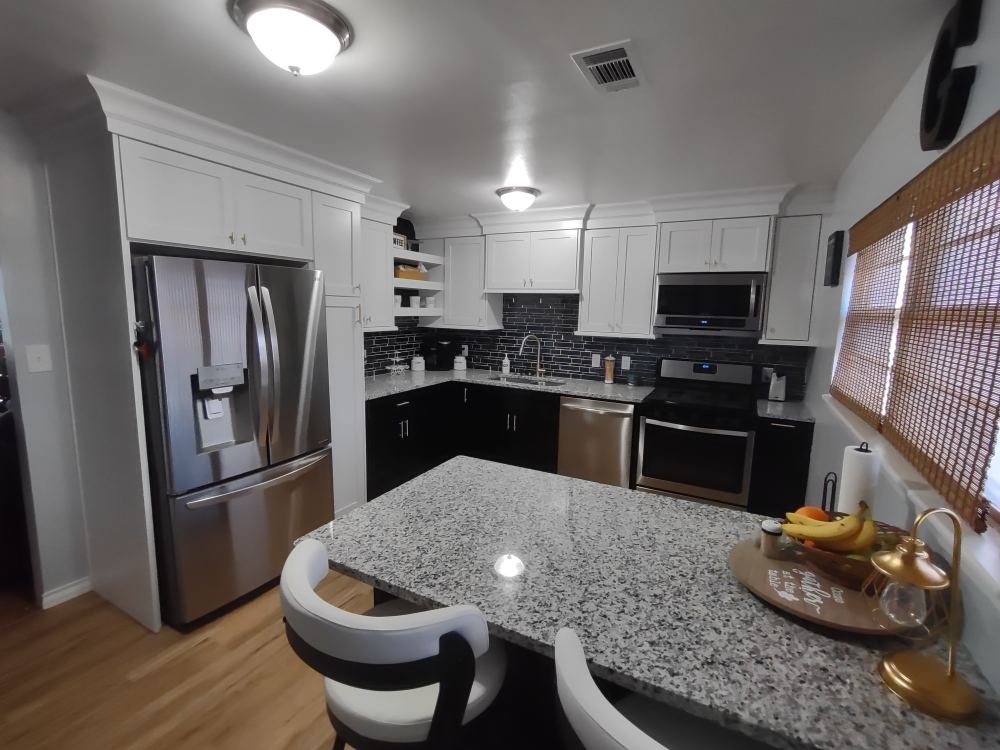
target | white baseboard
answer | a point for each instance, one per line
(65, 592)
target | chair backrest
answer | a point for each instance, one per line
(597, 724)
(363, 639)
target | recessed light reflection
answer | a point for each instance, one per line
(508, 566)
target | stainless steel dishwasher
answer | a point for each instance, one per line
(595, 440)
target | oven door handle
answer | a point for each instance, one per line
(689, 428)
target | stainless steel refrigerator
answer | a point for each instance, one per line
(234, 367)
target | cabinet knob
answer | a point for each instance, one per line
(244, 238)
(708, 262)
(524, 282)
(531, 281)
(232, 238)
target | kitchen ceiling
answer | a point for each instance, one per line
(438, 97)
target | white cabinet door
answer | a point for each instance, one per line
(599, 287)
(273, 218)
(345, 352)
(177, 199)
(740, 244)
(685, 247)
(337, 243)
(376, 275)
(555, 260)
(792, 280)
(636, 272)
(508, 261)
(464, 276)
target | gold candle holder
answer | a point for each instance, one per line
(900, 584)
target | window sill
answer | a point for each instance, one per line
(980, 552)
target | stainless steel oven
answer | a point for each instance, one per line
(720, 304)
(703, 462)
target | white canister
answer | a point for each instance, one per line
(430, 302)
(460, 363)
(417, 364)
(397, 300)
(414, 300)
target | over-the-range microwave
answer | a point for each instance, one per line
(719, 304)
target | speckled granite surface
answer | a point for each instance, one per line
(644, 580)
(794, 411)
(390, 385)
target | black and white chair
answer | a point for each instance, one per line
(395, 677)
(634, 723)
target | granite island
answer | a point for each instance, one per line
(644, 580)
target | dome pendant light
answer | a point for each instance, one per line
(518, 198)
(300, 36)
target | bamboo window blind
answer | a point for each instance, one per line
(937, 366)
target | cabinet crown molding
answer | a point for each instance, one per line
(534, 219)
(445, 228)
(615, 215)
(134, 115)
(720, 204)
(382, 209)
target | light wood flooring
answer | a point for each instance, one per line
(83, 675)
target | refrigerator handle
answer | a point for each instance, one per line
(264, 383)
(295, 469)
(272, 335)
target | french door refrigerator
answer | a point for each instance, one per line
(234, 366)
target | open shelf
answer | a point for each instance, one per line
(412, 256)
(418, 312)
(430, 286)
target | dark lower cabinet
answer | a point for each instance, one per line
(780, 466)
(415, 431)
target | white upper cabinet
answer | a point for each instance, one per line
(792, 280)
(685, 247)
(272, 218)
(508, 261)
(616, 294)
(740, 244)
(539, 261)
(720, 245)
(337, 244)
(176, 199)
(636, 266)
(376, 276)
(465, 301)
(599, 288)
(182, 200)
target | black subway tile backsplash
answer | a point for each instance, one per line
(553, 318)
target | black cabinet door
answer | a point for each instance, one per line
(531, 429)
(389, 459)
(780, 467)
(479, 430)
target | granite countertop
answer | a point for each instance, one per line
(391, 385)
(644, 580)
(792, 411)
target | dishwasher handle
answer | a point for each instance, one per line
(601, 408)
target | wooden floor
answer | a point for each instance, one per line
(83, 675)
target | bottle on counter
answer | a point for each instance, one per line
(505, 365)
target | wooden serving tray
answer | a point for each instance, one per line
(795, 587)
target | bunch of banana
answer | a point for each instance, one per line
(852, 534)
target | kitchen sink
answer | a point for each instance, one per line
(526, 380)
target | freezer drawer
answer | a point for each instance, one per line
(233, 537)
(595, 440)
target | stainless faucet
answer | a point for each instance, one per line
(538, 362)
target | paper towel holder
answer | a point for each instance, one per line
(863, 448)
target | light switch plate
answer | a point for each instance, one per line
(626, 363)
(39, 357)
(595, 360)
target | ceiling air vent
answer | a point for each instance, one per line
(612, 67)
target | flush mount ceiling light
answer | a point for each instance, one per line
(300, 36)
(518, 198)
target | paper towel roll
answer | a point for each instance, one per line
(858, 478)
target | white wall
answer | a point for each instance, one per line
(42, 399)
(889, 158)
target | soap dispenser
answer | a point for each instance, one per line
(505, 365)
